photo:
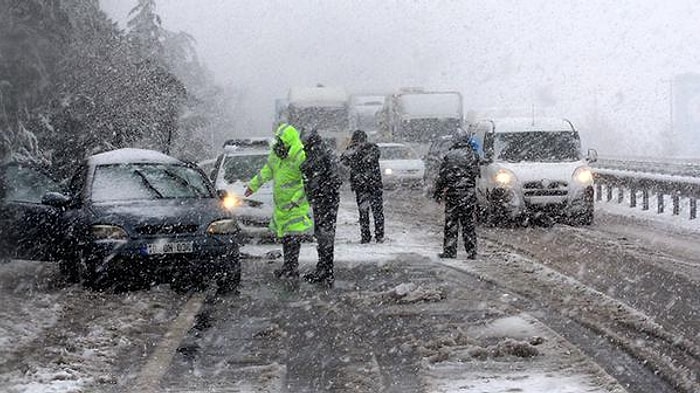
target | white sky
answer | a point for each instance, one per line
(610, 58)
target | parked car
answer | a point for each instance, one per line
(27, 226)
(133, 216)
(239, 162)
(533, 168)
(400, 165)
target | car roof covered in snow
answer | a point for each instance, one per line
(529, 124)
(130, 155)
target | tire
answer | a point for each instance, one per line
(229, 281)
(68, 268)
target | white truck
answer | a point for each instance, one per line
(322, 108)
(414, 115)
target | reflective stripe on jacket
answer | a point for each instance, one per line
(292, 210)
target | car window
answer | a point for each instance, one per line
(27, 184)
(243, 167)
(147, 181)
(397, 153)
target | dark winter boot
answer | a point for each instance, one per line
(320, 277)
(444, 255)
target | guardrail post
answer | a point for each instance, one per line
(633, 198)
(645, 199)
(620, 195)
(609, 190)
(599, 192)
(660, 200)
(693, 208)
(676, 199)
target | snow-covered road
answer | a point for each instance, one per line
(398, 319)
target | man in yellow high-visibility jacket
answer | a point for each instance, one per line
(291, 218)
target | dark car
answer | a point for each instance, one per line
(139, 216)
(27, 226)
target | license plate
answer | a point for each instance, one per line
(169, 248)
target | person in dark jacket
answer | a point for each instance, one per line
(456, 184)
(322, 182)
(362, 157)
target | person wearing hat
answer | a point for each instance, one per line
(362, 157)
(456, 184)
(291, 218)
(322, 181)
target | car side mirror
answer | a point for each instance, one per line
(592, 155)
(222, 194)
(55, 199)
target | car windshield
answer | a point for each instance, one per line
(243, 167)
(537, 146)
(397, 153)
(147, 181)
(26, 184)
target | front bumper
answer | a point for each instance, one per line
(515, 203)
(130, 259)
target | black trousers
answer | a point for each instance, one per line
(291, 245)
(325, 216)
(460, 211)
(370, 200)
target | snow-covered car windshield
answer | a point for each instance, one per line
(147, 181)
(397, 153)
(536, 146)
(243, 167)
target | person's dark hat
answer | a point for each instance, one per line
(358, 136)
(309, 138)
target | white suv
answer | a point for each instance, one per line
(234, 167)
(531, 168)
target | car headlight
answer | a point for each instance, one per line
(504, 177)
(231, 201)
(583, 175)
(388, 171)
(226, 226)
(108, 232)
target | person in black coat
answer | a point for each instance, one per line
(362, 157)
(322, 182)
(456, 184)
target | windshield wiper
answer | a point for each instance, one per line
(148, 184)
(185, 183)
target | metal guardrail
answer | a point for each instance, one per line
(617, 178)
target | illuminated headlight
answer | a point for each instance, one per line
(223, 227)
(108, 232)
(504, 177)
(232, 201)
(583, 175)
(388, 171)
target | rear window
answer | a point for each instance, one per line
(397, 153)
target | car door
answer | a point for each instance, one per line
(27, 227)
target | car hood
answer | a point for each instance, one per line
(184, 211)
(535, 171)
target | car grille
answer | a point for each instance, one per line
(545, 188)
(166, 229)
